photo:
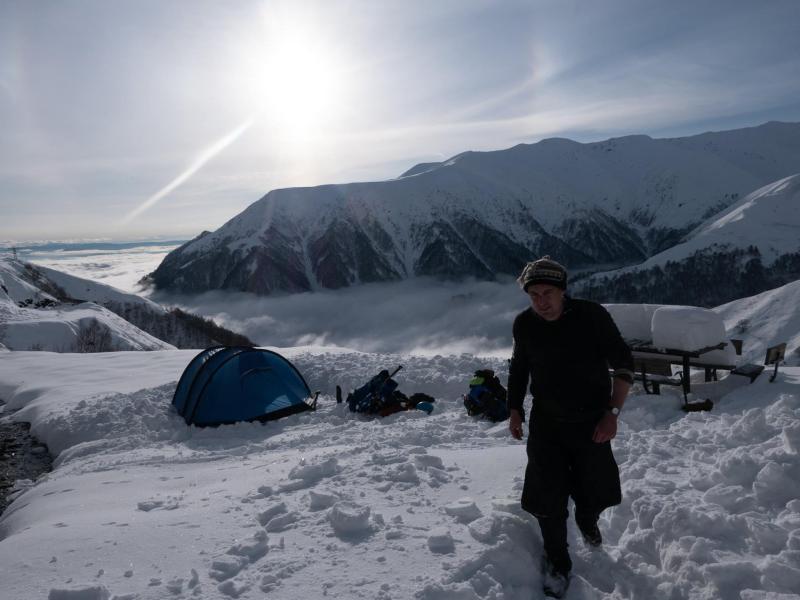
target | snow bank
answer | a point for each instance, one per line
(333, 504)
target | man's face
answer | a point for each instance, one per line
(547, 300)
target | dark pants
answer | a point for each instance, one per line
(563, 461)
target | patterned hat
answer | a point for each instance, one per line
(544, 270)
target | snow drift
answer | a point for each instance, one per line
(140, 505)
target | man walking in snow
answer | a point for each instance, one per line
(565, 346)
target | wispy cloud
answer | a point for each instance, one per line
(193, 168)
(93, 128)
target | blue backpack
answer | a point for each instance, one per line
(486, 397)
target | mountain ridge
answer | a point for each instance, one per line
(751, 246)
(478, 214)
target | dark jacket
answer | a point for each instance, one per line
(567, 361)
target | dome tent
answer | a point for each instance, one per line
(224, 384)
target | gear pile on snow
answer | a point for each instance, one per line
(380, 396)
(486, 397)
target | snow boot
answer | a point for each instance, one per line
(555, 580)
(590, 532)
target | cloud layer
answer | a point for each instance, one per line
(420, 316)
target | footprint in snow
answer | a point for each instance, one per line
(350, 520)
(440, 541)
(233, 589)
(404, 473)
(226, 567)
(252, 548)
(94, 592)
(237, 557)
(149, 505)
(321, 500)
(265, 516)
(175, 586)
(464, 510)
(425, 461)
(308, 474)
(509, 505)
(388, 457)
(282, 522)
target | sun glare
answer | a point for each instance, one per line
(294, 81)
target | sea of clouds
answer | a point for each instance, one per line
(420, 316)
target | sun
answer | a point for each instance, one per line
(294, 79)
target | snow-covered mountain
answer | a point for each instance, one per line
(34, 314)
(46, 309)
(485, 213)
(752, 246)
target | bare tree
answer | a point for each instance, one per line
(93, 337)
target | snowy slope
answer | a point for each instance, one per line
(77, 328)
(32, 316)
(35, 287)
(765, 320)
(100, 293)
(483, 213)
(329, 504)
(768, 218)
(750, 247)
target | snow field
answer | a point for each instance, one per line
(331, 504)
(710, 503)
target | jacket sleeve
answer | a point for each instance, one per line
(616, 350)
(518, 371)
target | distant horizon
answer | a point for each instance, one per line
(88, 243)
(180, 238)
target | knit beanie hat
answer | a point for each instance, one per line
(544, 270)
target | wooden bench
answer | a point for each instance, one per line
(774, 356)
(654, 373)
(654, 366)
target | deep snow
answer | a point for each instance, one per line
(330, 504)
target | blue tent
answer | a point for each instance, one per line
(226, 384)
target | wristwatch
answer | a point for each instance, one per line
(613, 410)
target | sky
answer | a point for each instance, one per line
(148, 119)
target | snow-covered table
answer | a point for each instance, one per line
(662, 336)
(647, 356)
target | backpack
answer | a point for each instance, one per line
(375, 395)
(486, 397)
(381, 396)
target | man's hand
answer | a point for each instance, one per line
(606, 429)
(515, 424)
